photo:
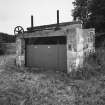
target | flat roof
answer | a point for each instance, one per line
(47, 30)
(51, 26)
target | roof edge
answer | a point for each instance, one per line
(42, 27)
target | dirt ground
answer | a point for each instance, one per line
(31, 87)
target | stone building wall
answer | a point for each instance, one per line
(80, 44)
(20, 52)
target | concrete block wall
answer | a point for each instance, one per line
(77, 39)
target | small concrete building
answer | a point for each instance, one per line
(61, 46)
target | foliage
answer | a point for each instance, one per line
(49, 88)
(91, 12)
(7, 38)
(34, 89)
(97, 17)
(80, 10)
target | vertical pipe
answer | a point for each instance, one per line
(32, 25)
(57, 18)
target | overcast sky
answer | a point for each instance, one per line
(18, 12)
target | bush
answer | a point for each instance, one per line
(1, 52)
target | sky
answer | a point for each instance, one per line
(18, 13)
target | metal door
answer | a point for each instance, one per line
(46, 56)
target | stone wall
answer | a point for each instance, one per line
(20, 52)
(80, 44)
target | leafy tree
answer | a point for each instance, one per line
(91, 13)
(97, 17)
(81, 10)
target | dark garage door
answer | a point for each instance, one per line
(47, 55)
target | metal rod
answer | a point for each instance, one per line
(57, 17)
(32, 24)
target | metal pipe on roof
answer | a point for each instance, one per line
(32, 24)
(58, 18)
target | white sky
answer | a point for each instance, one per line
(18, 12)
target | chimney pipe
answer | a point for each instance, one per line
(57, 18)
(32, 24)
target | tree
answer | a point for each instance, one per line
(97, 17)
(91, 13)
(81, 10)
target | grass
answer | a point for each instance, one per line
(87, 87)
(42, 88)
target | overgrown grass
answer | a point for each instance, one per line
(90, 80)
(32, 88)
(85, 87)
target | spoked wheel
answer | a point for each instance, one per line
(18, 30)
